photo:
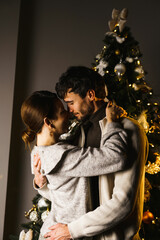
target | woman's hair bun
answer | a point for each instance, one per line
(28, 136)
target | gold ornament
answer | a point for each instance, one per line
(153, 168)
(117, 52)
(148, 217)
(118, 19)
(31, 210)
(144, 87)
(154, 127)
(139, 70)
(142, 119)
(148, 187)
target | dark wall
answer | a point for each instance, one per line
(52, 36)
(9, 18)
(71, 32)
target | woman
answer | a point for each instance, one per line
(46, 119)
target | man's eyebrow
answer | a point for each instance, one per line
(68, 101)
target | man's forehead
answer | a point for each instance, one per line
(70, 96)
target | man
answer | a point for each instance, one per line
(120, 193)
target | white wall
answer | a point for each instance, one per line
(9, 17)
(52, 36)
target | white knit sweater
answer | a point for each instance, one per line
(68, 185)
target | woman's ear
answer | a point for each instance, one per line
(91, 94)
(48, 123)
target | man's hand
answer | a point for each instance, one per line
(58, 232)
(39, 179)
(114, 112)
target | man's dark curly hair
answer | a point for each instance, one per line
(80, 79)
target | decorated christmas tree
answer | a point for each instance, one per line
(119, 62)
(120, 65)
(36, 216)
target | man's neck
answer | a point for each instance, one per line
(97, 105)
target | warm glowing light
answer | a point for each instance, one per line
(151, 145)
(153, 168)
(142, 119)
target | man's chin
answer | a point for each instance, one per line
(78, 118)
(83, 118)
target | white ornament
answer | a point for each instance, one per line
(112, 34)
(102, 64)
(128, 59)
(44, 215)
(120, 69)
(139, 70)
(42, 203)
(33, 216)
(98, 56)
(22, 235)
(29, 235)
(26, 236)
(120, 40)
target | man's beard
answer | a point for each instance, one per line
(86, 113)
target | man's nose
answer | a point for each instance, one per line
(70, 109)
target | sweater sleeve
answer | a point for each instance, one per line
(43, 191)
(68, 160)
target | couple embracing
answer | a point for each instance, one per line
(95, 180)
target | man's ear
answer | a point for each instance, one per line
(91, 94)
(48, 123)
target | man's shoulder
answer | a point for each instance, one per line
(134, 130)
(131, 124)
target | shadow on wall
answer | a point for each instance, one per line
(20, 91)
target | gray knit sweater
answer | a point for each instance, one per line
(68, 189)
